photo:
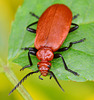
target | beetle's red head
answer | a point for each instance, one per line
(44, 67)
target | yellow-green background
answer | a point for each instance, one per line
(38, 89)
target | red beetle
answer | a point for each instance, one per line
(52, 29)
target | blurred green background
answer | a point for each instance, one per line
(38, 89)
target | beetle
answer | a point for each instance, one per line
(52, 29)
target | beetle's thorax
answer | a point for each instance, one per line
(45, 55)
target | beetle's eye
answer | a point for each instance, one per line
(37, 65)
(48, 66)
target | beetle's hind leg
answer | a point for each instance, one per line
(34, 15)
(28, 27)
(75, 25)
(73, 28)
(75, 16)
(31, 29)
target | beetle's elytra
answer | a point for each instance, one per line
(52, 29)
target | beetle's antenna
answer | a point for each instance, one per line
(23, 80)
(52, 74)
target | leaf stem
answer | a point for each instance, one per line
(13, 79)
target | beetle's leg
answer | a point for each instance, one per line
(73, 28)
(29, 62)
(70, 45)
(28, 27)
(59, 55)
(31, 29)
(34, 15)
(76, 26)
(75, 16)
(31, 51)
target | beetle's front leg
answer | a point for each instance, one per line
(31, 51)
(29, 62)
(65, 65)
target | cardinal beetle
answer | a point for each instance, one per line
(52, 29)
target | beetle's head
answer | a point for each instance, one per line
(44, 67)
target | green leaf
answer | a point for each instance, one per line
(80, 57)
